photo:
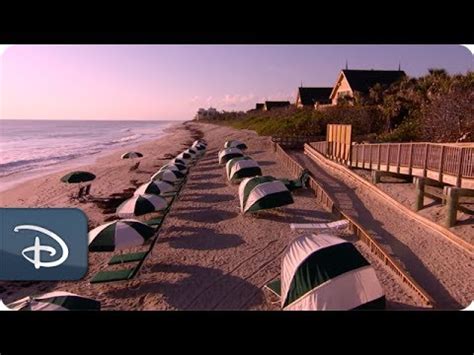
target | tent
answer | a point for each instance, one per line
(263, 192)
(231, 162)
(242, 168)
(235, 144)
(324, 272)
(226, 154)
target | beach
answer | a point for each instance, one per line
(208, 255)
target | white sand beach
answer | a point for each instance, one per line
(209, 256)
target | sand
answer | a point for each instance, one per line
(434, 210)
(443, 270)
(208, 256)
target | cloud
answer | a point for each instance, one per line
(194, 99)
(236, 100)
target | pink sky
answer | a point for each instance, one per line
(172, 82)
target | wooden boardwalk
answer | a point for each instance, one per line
(451, 164)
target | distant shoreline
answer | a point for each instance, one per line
(13, 180)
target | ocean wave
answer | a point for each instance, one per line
(25, 164)
(126, 139)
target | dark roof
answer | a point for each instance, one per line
(309, 96)
(276, 104)
(363, 80)
(259, 106)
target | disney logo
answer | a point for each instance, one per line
(37, 247)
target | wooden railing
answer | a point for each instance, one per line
(447, 163)
(295, 168)
(295, 142)
(365, 236)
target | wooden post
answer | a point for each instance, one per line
(425, 162)
(370, 156)
(452, 206)
(459, 168)
(398, 157)
(363, 156)
(410, 159)
(378, 157)
(441, 163)
(420, 192)
(388, 157)
(375, 176)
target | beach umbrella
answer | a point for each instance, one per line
(141, 204)
(171, 176)
(191, 152)
(179, 161)
(155, 187)
(77, 177)
(185, 157)
(324, 272)
(176, 166)
(55, 301)
(226, 154)
(131, 155)
(235, 144)
(263, 192)
(118, 235)
(199, 146)
(200, 141)
(242, 168)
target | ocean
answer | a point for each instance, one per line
(31, 146)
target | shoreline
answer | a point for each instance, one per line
(14, 180)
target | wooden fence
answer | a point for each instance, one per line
(295, 168)
(447, 163)
(295, 142)
(326, 201)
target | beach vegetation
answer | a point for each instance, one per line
(436, 107)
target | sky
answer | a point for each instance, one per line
(170, 82)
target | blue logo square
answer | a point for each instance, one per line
(43, 244)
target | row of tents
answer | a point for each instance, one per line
(318, 271)
(256, 191)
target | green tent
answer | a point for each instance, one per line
(324, 272)
(263, 192)
(239, 168)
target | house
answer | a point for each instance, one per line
(270, 105)
(259, 107)
(309, 97)
(206, 114)
(351, 81)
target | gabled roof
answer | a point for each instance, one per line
(309, 96)
(363, 80)
(276, 104)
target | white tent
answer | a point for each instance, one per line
(324, 272)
